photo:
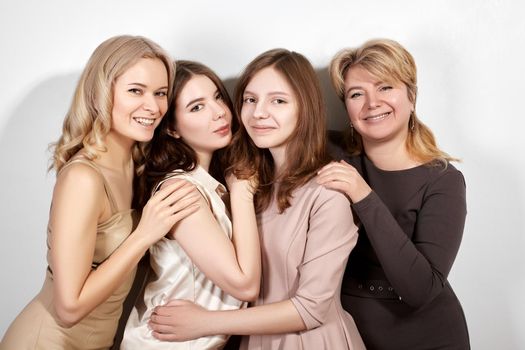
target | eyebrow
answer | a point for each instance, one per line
(271, 93)
(145, 86)
(199, 99)
(359, 87)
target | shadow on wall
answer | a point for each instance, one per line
(26, 190)
(337, 118)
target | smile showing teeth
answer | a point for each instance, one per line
(145, 121)
(377, 117)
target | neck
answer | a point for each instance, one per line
(391, 155)
(118, 153)
(279, 159)
(204, 160)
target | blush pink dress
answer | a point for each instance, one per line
(304, 253)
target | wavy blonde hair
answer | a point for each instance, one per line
(390, 62)
(88, 120)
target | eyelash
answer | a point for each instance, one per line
(137, 91)
(197, 108)
(248, 100)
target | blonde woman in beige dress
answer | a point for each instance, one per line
(306, 231)
(93, 244)
(206, 258)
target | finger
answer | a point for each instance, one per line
(185, 192)
(165, 337)
(163, 320)
(328, 166)
(178, 216)
(177, 302)
(185, 203)
(334, 176)
(175, 186)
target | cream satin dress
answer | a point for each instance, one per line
(175, 276)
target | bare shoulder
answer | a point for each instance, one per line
(79, 182)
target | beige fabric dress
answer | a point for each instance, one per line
(36, 326)
(304, 253)
(173, 275)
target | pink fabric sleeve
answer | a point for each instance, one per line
(331, 236)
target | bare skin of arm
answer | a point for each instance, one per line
(79, 204)
(235, 266)
(182, 320)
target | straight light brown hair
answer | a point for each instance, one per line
(305, 151)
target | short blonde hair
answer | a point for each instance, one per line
(88, 120)
(390, 62)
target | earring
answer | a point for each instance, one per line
(173, 134)
(412, 121)
(351, 133)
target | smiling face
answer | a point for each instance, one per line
(378, 110)
(203, 119)
(269, 111)
(139, 100)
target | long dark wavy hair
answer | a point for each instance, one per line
(165, 153)
(305, 151)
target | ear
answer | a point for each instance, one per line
(173, 134)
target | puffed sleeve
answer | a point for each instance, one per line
(331, 236)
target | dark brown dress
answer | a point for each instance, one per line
(395, 284)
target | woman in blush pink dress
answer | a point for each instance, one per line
(306, 231)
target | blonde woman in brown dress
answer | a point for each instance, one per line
(93, 245)
(306, 230)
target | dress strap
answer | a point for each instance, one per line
(107, 189)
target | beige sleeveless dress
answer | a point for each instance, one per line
(36, 326)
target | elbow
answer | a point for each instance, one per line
(67, 317)
(247, 292)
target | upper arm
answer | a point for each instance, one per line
(77, 205)
(440, 223)
(330, 238)
(208, 246)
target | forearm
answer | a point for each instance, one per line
(417, 268)
(276, 318)
(104, 280)
(246, 243)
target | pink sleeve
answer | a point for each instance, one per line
(331, 236)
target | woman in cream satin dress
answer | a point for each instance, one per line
(202, 258)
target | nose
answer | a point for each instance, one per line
(372, 100)
(150, 104)
(260, 111)
(219, 111)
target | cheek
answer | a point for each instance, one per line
(163, 107)
(352, 111)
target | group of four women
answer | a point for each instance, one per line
(241, 203)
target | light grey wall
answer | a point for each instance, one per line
(470, 56)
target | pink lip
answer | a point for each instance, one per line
(223, 129)
(262, 127)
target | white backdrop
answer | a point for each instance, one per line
(470, 56)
